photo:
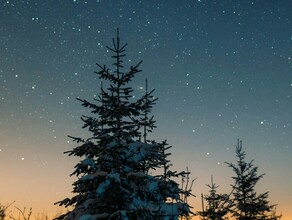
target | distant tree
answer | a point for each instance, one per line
(273, 214)
(2, 212)
(114, 174)
(247, 204)
(217, 204)
(22, 214)
(3, 209)
(42, 216)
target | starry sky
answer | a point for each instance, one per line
(222, 70)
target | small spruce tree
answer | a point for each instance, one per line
(246, 203)
(114, 179)
(217, 204)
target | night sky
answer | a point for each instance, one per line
(222, 70)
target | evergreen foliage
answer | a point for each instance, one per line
(2, 212)
(114, 174)
(246, 203)
(217, 204)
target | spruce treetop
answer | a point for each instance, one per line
(246, 203)
(114, 173)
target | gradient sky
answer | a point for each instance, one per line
(222, 70)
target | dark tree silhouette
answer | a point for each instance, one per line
(3, 209)
(247, 204)
(217, 204)
(114, 174)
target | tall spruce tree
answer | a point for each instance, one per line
(247, 204)
(217, 204)
(114, 179)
